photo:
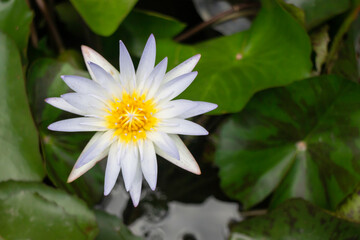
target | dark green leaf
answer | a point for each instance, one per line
(135, 30)
(61, 152)
(20, 156)
(44, 80)
(103, 17)
(347, 62)
(296, 220)
(319, 11)
(15, 20)
(35, 211)
(112, 228)
(274, 52)
(295, 141)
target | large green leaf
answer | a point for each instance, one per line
(15, 20)
(112, 228)
(35, 211)
(60, 150)
(296, 220)
(274, 52)
(20, 156)
(297, 141)
(103, 17)
(319, 11)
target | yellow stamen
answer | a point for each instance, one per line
(131, 116)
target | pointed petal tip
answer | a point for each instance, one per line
(107, 192)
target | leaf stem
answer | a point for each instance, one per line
(234, 9)
(53, 30)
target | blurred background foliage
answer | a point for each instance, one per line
(284, 143)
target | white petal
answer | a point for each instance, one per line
(101, 144)
(89, 104)
(85, 86)
(148, 163)
(63, 105)
(77, 172)
(92, 56)
(187, 161)
(156, 76)
(105, 80)
(200, 108)
(129, 164)
(181, 126)
(176, 86)
(127, 70)
(112, 167)
(164, 142)
(135, 190)
(81, 124)
(183, 68)
(175, 108)
(147, 61)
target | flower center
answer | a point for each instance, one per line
(131, 116)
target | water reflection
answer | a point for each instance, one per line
(156, 219)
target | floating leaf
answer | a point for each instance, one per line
(15, 20)
(296, 141)
(112, 228)
(20, 156)
(297, 220)
(103, 17)
(274, 52)
(36, 211)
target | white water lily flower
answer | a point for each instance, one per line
(134, 115)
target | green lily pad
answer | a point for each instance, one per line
(103, 17)
(274, 52)
(297, 220)
(15, 20)
(20, 155)
(36, 211)
(296, 141)
(112, 228)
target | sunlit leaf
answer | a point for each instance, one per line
(297, 220)
(20, 156)
(295, 141)
(15, 20)
(350, 207)
(112, 228)
(36, 211)
(274, 52)
(103, 17)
